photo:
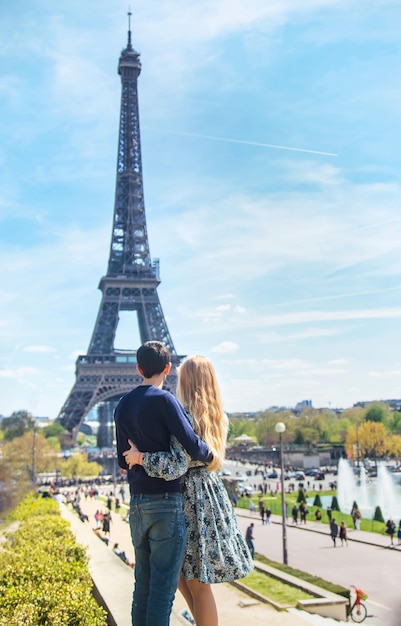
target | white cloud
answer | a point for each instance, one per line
(386, 374)
(225, 347)
(19, 373)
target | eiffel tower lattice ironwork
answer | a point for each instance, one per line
(131, 282)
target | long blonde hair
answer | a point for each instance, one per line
(199, 393)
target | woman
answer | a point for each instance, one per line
(215, 549)
(343, 533)
(390, 529)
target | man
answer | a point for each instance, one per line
(333, 530)
(149, 416)
(249, 538)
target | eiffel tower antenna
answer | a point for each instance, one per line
(129, 29)
(132, 278)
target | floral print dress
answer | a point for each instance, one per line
(215, 551)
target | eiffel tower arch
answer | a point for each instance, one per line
(131, 282)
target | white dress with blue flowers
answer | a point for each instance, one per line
(216, 551)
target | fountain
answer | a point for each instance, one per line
(368, 495)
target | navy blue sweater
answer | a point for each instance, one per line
(149, 416)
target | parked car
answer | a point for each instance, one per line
(289, 476)
(315, 473)
(311, 472)
(272, 475)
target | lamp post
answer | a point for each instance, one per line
(357, 447)
(280, 428)
(33, 469)
(114, 465)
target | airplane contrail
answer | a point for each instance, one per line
(248, 143)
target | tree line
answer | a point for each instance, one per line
(372, 432)
(27, 451)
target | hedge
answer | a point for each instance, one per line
(44, 576)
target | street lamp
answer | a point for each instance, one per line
(33, 469)
(114, 465)
(280, 428)
(357, 447)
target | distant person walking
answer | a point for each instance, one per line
(333, 530)
(390, 530)
(98, 519)
(106, 523)
(356, 516)
(303, 511)
(249, 538)
(343, 533)
(110, 501)
(329, 512)
(262, 511)
(268, 515)
(399, 533)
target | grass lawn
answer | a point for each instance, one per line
(274, 589)
(274, 503)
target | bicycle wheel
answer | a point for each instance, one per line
(358, 612)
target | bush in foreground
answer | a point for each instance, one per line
(44, 576)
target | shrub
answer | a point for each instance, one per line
(378, 515)
(44, 576)
(317, 501)
(334, 504)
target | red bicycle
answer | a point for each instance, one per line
(358, 610)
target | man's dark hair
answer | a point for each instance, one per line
(152, 357)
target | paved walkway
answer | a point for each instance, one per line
(369, 561)
(114, 580)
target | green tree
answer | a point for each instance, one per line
(265, 424)
(339, 429)
(240, 426)
(23, 458)
(376, 413)
(299, 439)
(301, 496)
(28, 455)
(394, 424)
(53, 430)
(310, 436)
(378, 515)
(78, 466)
(334, 504)
(356, 415)
(317, 501)
(17, 424)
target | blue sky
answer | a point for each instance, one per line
(270, 143)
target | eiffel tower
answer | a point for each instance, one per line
(131, 282)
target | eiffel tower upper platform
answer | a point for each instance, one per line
(132, 278)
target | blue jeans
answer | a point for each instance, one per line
(251, 547)
(158, 535)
